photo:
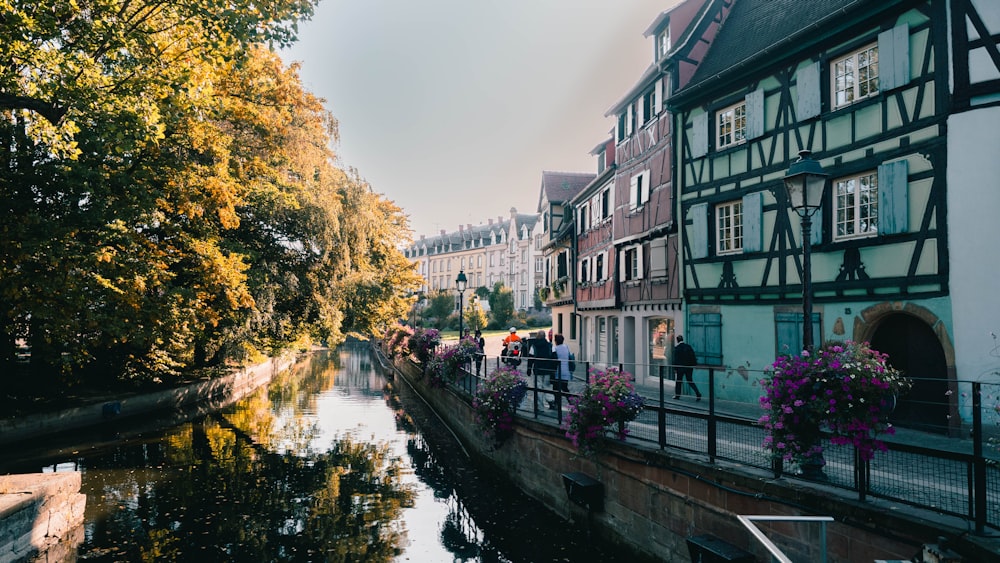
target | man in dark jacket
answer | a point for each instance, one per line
(684, 362)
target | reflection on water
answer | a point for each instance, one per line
(325, 464)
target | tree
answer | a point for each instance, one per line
(475, 317)
(501, 304)
(440, 304)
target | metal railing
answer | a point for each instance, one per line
(937, 471)
(776, 553)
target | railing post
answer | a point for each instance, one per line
(979, 462)
(711, 415)
(661, 414)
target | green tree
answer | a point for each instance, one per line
(501, 304)
(475, 317)
(440, 304)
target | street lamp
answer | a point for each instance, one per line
(460, 283)
(805, 183)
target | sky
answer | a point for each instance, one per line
(453, 108)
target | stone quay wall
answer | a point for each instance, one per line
(41, 516)
(211, 393)
(654, 500)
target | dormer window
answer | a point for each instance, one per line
(648, 106)
(602, 161)
(663, 42)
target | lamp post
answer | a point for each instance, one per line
(805, 183)
(460, 283)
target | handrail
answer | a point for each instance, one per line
(776, 553)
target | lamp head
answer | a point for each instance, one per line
(805, 183)
(461, 281)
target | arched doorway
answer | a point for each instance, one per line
(913, 348)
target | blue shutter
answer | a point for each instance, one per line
(705, 336)
(755, 113)
(816, 228)
(807, 90)
(789, 334)
(753, 239)
(699, 230)
(699, 135)
(894, 57)
(893, 188)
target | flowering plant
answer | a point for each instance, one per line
(422, 343)
(496, 401)
(395, 340)
(846, 388)
(608, 402)
(444, 366)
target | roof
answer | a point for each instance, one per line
(758, 29)
(558, 187)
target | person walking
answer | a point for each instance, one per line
(684, 362)
(540, 362)
(562, 375)
(480, 351)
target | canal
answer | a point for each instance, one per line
(334, 461)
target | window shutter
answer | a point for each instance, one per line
(699, 230)
(816, 228)
(629, 119)
(807, 91)
(753, 239)
(658, 95)
(893, 188)
(699, 135)
(607, 265)
(638, 261)
(755, 113)
(633, 193)
(621, 265)
(644, 196)
(658, 258)
(894, 57)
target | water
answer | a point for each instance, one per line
(333, 462)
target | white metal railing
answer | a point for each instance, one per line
(776, 553)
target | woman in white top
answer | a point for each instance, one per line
(560, 380)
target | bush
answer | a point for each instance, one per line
(422, 344)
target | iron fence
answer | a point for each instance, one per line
(946, 466)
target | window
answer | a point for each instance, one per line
(631, 261)
(479, 260)
(856, 205)
(524, 255)
(732, 125)
(599, 268)
(663, 42)
(539, 264)
(639, 190)
(584, 220)
(855, 77)
(606, 204)
(729, 227)
(585, 270)
(648, 106)
(463, 262)
(493, 259)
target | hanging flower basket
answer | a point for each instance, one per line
(844, 390)
(497, 400)
(607, 403)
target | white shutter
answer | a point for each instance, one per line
(658, 95)
(629, 120)
(633, 193)
(621, 265)
(638, 262)
(644, 197)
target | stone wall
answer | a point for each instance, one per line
(655, 499)
(41, 517)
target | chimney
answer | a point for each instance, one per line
(490, 220)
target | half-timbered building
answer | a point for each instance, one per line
(897, 99)
(642, 233)
(557, 248)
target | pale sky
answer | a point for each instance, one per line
(453, 108)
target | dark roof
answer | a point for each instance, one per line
(562, 186)
(760, 29)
